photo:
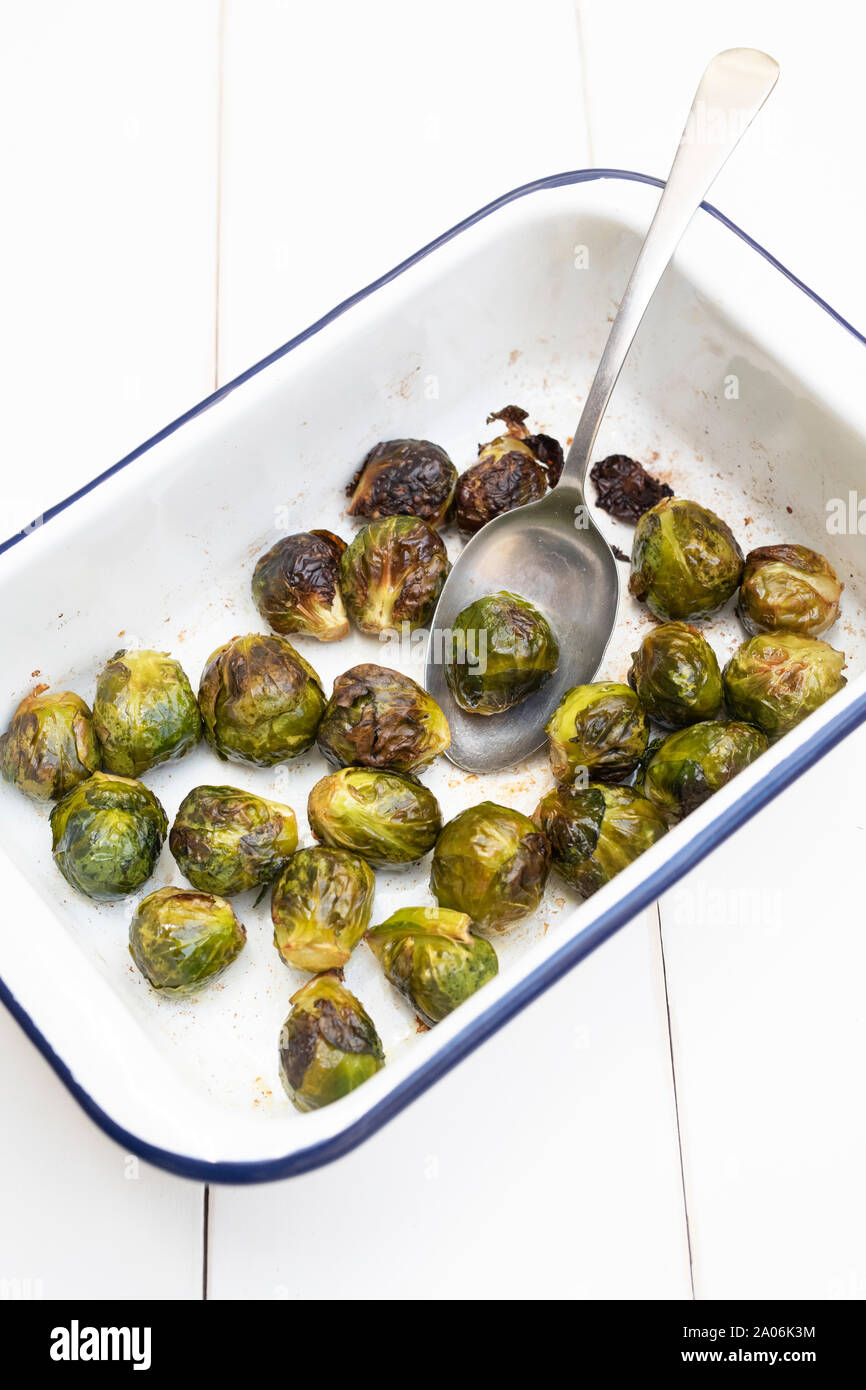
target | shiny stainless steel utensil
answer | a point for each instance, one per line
(551, 552)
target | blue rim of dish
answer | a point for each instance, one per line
(546, 974)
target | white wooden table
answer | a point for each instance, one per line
(186, 185)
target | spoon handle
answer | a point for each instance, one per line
(732, 91)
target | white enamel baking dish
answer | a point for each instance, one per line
(743, 389)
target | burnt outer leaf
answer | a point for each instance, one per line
(549, 453)
(624, 487)
(511, 416)
(404, 477)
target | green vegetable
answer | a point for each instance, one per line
(144, 713)
(321, 906)
(691, 764)
(685, 562)
(776, 678)
(433, 957)
(379, 718)
(328, 1044)
(600, 728)
(50, 745)
(491, 863)
(502, 651)
(181, 940)
(597, 831)
(393, 573)
(676, 676)
(385, 817)
(226, 840)
(260, 701)
(790, 587)
(404, 477)
(296, 586)
(107, 834)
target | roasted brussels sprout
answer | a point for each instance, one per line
(433, 957)
(776, 678)
(144, 713)
(296, 586)
(393, 573)
(181, 940)
(321, 906)
(491, 863)
(676, 676)
(685, 562)
(260, 701)
(226, 840)
(599, 727)
(107, 834)
(511, 470)
(385, 817)
(624, 488)
(689, 765)
(328, 1044)
(50, 745)
(502, 650)
(377, 717)
(404, 477)
(788, 587)
(597, 831)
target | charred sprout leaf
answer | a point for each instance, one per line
(600, 728)
(321, 906)
(181, 940)
(296, 586)
(549, 453)
(685, 562)
(404, 477)
(107, 834)
(676, 676)
(50, 745)
(689, 765)
(377, 717)
(393, 573)
(789, 587)
(513, 418)
(624, 488)
(260, 701)
(226, 840)
(144, 713)
(776, 678)
(328, 1044)
(491, 863)
(433, 957)
(597, 831)
(385, 817)
(501, 651)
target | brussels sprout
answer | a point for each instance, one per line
(50, 745)
(321, 906)
(689, 765)
(404, 477)
(107, 834)
(790, 587)
(625, 489)
(776, 678)
(676, 676)
(596, 831)
(490, 862)
(181, 940)
(260, 701)
(296, 586)
(512, 470)
(433, 957)
(502, 650)
(685, 562)
(328, 1044)
(379, 718)
(226, 840)
(144, 713)
(393, 573)
(600, 727)
(385, 817)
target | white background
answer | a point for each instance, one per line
(187, 184)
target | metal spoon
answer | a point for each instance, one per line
(551, 552)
